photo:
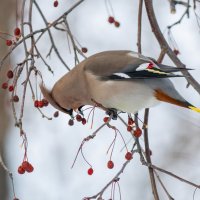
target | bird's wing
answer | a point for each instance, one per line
(118, 65)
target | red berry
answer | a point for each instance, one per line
(45, 102)
(105, 119)
(55, 3)
(36, 103)
(78, 118)
(128, 156)
(56, 114)
(137, 132)
(4, 86)
(40, 104)
(10, 74)
(21, 170)
(117, 24)
(84, 121)
(29, 168)
(25, 165)
(130, 121)
(15, 98)
(90, 171)
(110, 164)
(11, 88)
(129, 128)
(111, 19)
(84, 49)
(71, 122)
(17, 31)
(8, 43)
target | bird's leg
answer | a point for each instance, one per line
(113, 112)
(80, 110)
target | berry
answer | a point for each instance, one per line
(4, 86)
(84, 49)
(21, 170)
(11, 88)
(129, 128)
(10, 74)
(90, 171)
(36, 103)
(25, 165)
(117, 24)
(84, 121)
(56, 114)
(111, 19)
(55, 3)
(40, 104)
(137, 132)
(128, 156)
(71, 122)
(17, 31)
(110, 164)
(8, 43)
(105, 119)
(15, 98)
(176, 51)
(130, 121)
(29, 168)
(78, 118)
(45, 102)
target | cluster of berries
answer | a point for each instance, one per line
(17, 33)
(25, 167)
(41, 103)
(112, 20)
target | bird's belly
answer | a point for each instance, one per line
(129, 96)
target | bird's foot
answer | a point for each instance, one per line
(113, 112)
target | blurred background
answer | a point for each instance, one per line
(52, 145)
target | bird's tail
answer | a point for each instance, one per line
(194, 108)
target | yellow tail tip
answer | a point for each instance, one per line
(194, 108)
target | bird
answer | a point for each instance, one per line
(120, 80)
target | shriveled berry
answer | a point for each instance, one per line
(40, 104)
(8, 43)
(10, 74)
(84, 49)
(117, 24)
(129, 128)
(84, 121)
(90, 171)
(176, 51)
(56, 114)
(11, 88)
(45, 102)
(137, 132)
(4, 86)
(71, 122)
(105, 119)
(130, 121)
(21, 170)
(15, 98)
(110, 164)
(36, 103)
(111, 19)
(128, 156)
(55, 3)
(17, 31)
(78, 118)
